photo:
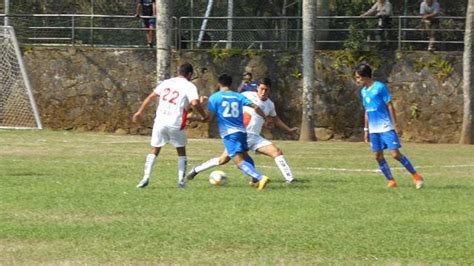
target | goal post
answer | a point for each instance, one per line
(17, 104)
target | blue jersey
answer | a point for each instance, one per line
(375, 99)
(228, 107)
(250, 86)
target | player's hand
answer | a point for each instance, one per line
(366, 136)
(136, 117)
(203, 99)
(294, 130)
(268, 122)
(398, 130)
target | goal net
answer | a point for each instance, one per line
(17, 105)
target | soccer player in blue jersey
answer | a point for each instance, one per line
(380, 124)
(228, 105)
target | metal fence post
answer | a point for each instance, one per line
(230, 23)
(73, 30)
(92, 24)
(7, 11)
(400, 33)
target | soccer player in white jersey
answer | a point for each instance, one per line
(380, 124)
(254, 123)
(174, 96)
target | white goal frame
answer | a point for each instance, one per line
(9, 32)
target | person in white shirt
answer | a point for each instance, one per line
(383, 10)
(429, 11)
(174, 97)
(255, 141)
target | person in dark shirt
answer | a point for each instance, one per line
(147, 9)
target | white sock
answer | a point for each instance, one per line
(181, 168)
(284, 168)
(150, 160)
(206, 165)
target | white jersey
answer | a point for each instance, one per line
(252, 121)
(175, 94)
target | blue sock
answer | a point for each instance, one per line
(383, 166)
(250, 170)
(405, 162)
(250, 160)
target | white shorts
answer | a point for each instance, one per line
(256, 141)
(162, 135)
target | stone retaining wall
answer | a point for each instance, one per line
(92, 89)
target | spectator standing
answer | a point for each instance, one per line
(247, 83)
(383, 10)
(429, 11)
(147, 8)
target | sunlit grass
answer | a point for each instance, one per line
(71, 198)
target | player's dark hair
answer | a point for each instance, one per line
(185, 69)
(225, 80)
(265, 81)
(248, 74)
(363, 70)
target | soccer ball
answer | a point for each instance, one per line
(217, 178)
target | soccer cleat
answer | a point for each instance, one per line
(392, 183)
(418, 180)
(263, 183)
(191, 174)
(253, 184)
(143, 183)
(291, 182)
(181, 185)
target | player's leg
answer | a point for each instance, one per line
(377, 144)
(179, 140)
(149, 36)
(273, 151)
(158, 140)
(151, 32)
(417, 178)
(247, 168)
(221, 160)
(182, 161)
(236, 146)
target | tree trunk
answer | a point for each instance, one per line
(467, 133)
(163, 40)
(307, 121)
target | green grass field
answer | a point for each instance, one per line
(70, 198)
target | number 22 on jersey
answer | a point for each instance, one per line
(231, 109)
(173, 95)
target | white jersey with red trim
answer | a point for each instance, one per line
(252, 121)
(175, 94)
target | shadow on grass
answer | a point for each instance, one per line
(25, 174)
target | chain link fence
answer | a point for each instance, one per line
(111, 23)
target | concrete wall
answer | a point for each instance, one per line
(99, 90)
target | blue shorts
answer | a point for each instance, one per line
(235, 143)
(147, 22)
(386, 140)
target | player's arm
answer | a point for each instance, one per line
(210, 117)
(391, 109)
(258, 111)
(280, 124)
(196, 104)
(371, 11)
(366, 127)
(154, 9)
(151, 98)
(138, 8)
(240, 88)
